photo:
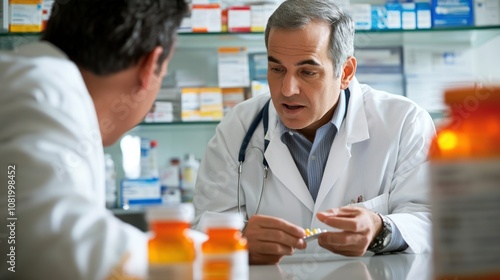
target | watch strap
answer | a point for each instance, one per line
(382, 240)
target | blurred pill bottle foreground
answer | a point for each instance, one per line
(224, 253)
(171, 253)
(465, 186)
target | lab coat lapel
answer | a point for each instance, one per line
(354, 129)
(338, 159)
(282, 165)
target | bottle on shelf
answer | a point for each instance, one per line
(154, 169)
(225, 253)
(145, 161)
(110, 173)
(149, 159)
(171, 182)
(189, 175)
(171, 253)
(465, 186)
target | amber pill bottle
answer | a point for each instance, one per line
(224, 253)
(465, 186)
(171, 252)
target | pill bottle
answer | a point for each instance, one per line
(465, 186)
(171, 253)
(224, 253)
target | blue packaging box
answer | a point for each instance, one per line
(452, 13)
(140, 192)
(424, 16)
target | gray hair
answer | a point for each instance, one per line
(295, 14)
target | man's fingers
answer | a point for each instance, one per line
(267, 222)
(347, 224)
(281, 237)
(347, 218)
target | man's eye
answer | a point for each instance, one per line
(308, 73)
(277, 70)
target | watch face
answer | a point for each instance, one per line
(387, 238)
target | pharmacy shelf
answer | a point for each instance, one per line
(188, 34)
(215, 39)
(255, 41)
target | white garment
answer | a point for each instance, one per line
(379, 153)
(49, 130)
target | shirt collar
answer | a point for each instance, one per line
(338, 116)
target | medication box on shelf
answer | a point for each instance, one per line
(258, 21)
(202, 104)
(162, 111)
(190, 104)
(260, 13)
(486, 12)
(140, 192)
(210, 103)
(231, 97)
(393, 15)
(25, 16)
(239, 19)
(446, 13)
(206, 18)
(408, 16)
(258, 66)
(424, 15)
(232, 67)
(361, 15)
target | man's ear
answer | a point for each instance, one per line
(348, 72)
(149, 67)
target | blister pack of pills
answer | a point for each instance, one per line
(312, 234)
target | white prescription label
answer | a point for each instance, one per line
(226, 266)
(466, 217)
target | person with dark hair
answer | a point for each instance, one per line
(93, 76)
(324, 151)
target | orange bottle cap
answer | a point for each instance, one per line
(489, 93)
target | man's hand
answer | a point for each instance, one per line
(359, 226)
(270, 238)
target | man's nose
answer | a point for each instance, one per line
(290, 85)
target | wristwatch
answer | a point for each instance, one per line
(383, 238)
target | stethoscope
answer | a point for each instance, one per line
(263, 116)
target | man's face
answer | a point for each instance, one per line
(303, 86)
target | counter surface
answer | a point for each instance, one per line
(383, 267)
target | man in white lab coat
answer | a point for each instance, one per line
(341, 156)
(92, 77)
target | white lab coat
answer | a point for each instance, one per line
(379, 153)
(49, 131)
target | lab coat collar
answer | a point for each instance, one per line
(356, 124)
